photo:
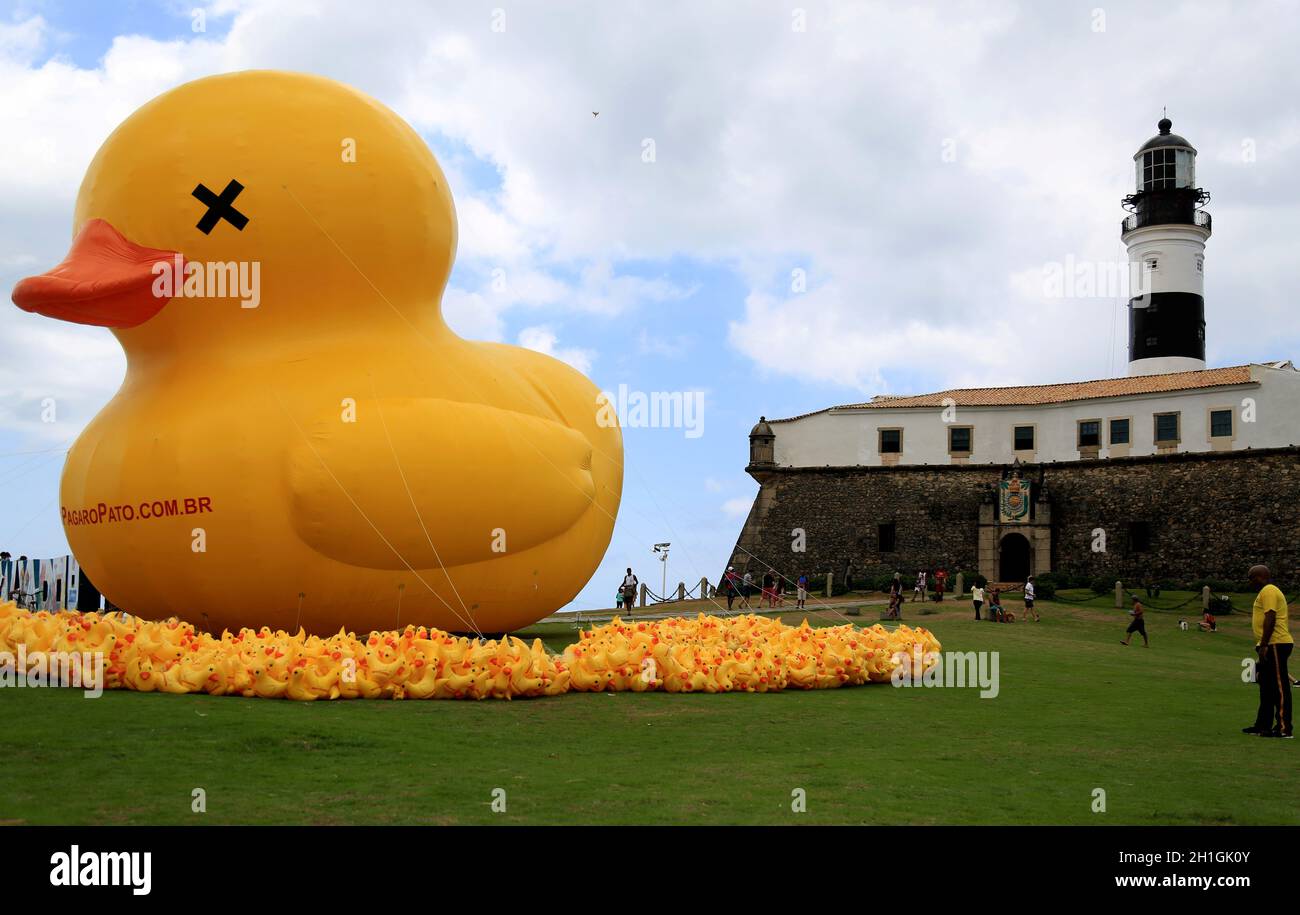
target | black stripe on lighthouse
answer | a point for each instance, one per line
(1171, 324)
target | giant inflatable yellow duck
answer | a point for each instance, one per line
(321, 451)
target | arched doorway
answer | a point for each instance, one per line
(1013, 558)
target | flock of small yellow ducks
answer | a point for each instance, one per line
(707, 654)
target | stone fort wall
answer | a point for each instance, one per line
(1206, 516)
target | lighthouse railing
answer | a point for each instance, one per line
(1133, 221)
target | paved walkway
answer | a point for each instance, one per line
(691, 607)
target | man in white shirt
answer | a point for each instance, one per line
(918, 592)
(977, 597)
(1029, 600)
(629, 591)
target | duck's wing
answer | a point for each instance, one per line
(431, 483)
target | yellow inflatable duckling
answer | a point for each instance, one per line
(270, 249)
(749, 654)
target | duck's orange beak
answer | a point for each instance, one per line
(106, 279)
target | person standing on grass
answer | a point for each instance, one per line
(1029, 600)
(918, 592)
(940, 583)
(801, 591)
(746, 588)
(977, 598)
(730, 586)
(1273, 641)
(1138, 625)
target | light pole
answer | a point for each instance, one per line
(662, 550)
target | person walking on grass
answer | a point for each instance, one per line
(801, 590)
(977, 598)
(1138, 625)
(630, 581)
(918, 592)
(1273, 641)
(746, 589)
(940, 584)
(1029, 600)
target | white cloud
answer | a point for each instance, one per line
(21, 41)
(543, 340)
(54, 378)
(473, 315)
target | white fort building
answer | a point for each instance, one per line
(1191, 473)
(1170, 402)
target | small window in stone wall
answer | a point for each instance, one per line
(888, 534)
(1139, 536)
(891, 441)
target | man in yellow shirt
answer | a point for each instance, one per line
(1273, 645)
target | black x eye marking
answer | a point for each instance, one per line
(220, 207)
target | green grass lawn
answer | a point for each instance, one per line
(1157, 730)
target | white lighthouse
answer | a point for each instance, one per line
(1165, 233)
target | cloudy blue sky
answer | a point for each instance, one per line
(917, 165)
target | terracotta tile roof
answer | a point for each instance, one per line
(1030, 395)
